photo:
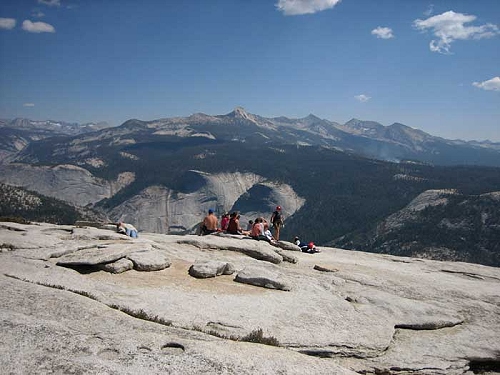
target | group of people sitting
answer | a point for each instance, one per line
(258, 229)
(230, 223)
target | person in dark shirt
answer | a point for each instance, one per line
(277, 221)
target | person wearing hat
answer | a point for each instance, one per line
(210, 223)
(306, 247)
(277, 221)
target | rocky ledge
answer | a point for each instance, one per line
(87, 300)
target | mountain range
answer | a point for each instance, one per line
(18, 133)
(336, 183)
(396, 142)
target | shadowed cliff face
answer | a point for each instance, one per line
(69, 183)
(440, 224)
(162, 210)
(157, 208)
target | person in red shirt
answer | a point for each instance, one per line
(224, 222)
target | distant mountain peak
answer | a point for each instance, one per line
(240, 114)
(353, 121)
(312, 117)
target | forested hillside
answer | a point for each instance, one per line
(343, 192)
(449, 226)
(17, 204)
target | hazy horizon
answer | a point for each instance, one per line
(430, 66)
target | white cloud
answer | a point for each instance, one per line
(362, 98)
(50, 3)
(28, 104)
(38, 27)
(491, 84)
(37, 14)
(383, 32)
(7, 23)
(429, 10)
(450, 26)
(299, 7)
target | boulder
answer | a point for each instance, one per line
(91, 233)
(94, 256)
(285, 245)
(324, 269)
(260, 250)
(204, 270)
(263, 278)
(121, 265)
(149, 260)
(287, 257)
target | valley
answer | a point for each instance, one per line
(164, 175)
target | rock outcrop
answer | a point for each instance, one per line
(69, 183)
(155, 208)
(162, 210)
(438, 224)
(342, 312)
(212, 268)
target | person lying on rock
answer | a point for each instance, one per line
(126, 229)
(306, 247)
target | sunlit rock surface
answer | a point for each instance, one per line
(341, 312)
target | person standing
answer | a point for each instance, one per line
(210, 223)
(277, 221)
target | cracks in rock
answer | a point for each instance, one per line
(324, 269)
(139, 314)
(12, 227)
(485, 365)
(255, 336)
(319, 353)
(470, 274)
(54, 286)
(222, 325)
(7, 247)
(409, 370)
(173, 348)
(428, 326)
(340, 351)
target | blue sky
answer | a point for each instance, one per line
(431, 65)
